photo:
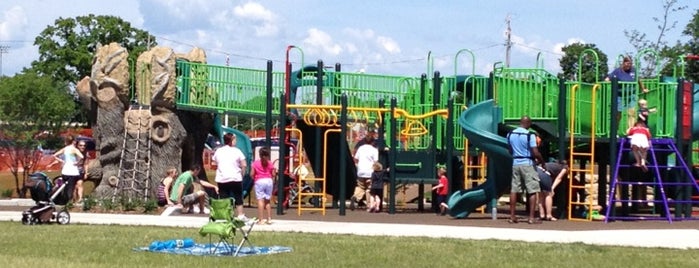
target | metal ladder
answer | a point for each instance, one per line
(684, 180)
(134, 164)
(474, 170)
(577, 196)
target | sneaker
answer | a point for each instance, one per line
(243, 218)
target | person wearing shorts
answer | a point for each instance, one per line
(230, 169)
(551, 176)
(522, 146)
(262, 172)
(183, 184)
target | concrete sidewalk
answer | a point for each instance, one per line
(678, 239)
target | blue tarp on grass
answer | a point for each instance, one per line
(206, 249)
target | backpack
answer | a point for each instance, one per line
(529, 138)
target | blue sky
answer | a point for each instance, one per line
(378, 37)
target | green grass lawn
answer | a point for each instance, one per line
(111, 246)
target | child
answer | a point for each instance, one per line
(164, 187)
(441, 191)
(640, 141)
(262, 172)
(378, 177)
(644, 111)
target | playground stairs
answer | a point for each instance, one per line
(306, 179)
(474, 171)
(134, 165)
(673, 185)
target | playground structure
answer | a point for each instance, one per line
(419, 127)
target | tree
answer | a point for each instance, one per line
(67, 47)
(692, 47)
(33, 108)
(571, 59)
(668, 55)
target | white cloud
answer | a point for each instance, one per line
(164, 16)
(319, 42)
(558, 47)
(388, 44)
(262, 19)
(253, 11)
(14, 23)
(526, 50)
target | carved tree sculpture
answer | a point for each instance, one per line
(137, 142)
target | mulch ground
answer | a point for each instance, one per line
(412, 216)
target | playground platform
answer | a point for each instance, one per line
(677, 235)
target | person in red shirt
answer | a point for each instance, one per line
(639, 136)
(441, 190)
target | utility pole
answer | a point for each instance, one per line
(508, 41)
(3, 50)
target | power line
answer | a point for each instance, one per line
(16, 41)
(228, 55)
(539, 49)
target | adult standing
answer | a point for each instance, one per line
(522, 146)
(71, 158)
(82, 167)
(364, 158)
(230, 169)
(627, 96)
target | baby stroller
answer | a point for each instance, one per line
(47, 195)
(293, 190)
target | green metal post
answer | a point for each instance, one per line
(613, 130)
(392, 159)
(449, 143)
(318, 141)
(343, 154)
(434, 129)
(562, 120)
(270, 103)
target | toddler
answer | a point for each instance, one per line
(441, 191)
(644, 111)
(378, 178)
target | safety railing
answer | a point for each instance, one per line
(226, 89)
(533, 92)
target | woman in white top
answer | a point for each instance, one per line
(230, 169)
(71, 158)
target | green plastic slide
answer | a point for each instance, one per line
(479, 123)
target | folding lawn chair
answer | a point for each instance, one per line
(223, 225)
